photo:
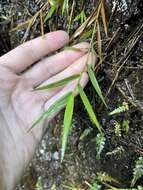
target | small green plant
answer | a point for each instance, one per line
(100, 143)
(120, 109)
(117, 151)
(138, 171)
(51, 11)
(121, 127)
(125, 126)
(117, 129)
(103, 177)
(85, 133)
(70, 187)
(95, 186)
(81, 17)
(39, 185)
(68, 99)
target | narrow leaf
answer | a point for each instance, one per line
(95, 84)
(75, 49)
(50, 12)
(65, 6)
(59, 83)
(53, 109)
(88, 107)
(117, 151)
(81, 17)
(67, 124)
(85, 35)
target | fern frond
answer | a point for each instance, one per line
(95, 186)
(117, 129)
(103, 177)
(117, 151)
(138, 171)
(123, 108)
(100, 143)
(125, 125)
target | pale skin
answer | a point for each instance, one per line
(21, 70)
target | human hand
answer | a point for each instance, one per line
(20, 105)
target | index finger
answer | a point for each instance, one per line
(28, 53)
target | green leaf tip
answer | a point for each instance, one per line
(53, 110)
(67, 124)
(95, 84)
(59, 83)
(89, 108)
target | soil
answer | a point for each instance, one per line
(80, 163)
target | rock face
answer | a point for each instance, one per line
(80, 165)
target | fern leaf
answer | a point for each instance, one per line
(100, 143)
(138, 171)
(125, 125)
(117, 151)
(120, 109)
(95, 186)
(117, 129)
(85, 133)
(103, 177)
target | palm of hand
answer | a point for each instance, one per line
(20, 105)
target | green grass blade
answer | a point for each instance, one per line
(67, 124)
(88, 107)
(95, 84)
(86, 35)
(65, 6)
(59, 83)
(53, 109)
(50, 12)
(81, 17)
(74, 48)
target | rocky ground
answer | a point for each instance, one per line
(80, 164)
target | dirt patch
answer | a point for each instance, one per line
(80, 162)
